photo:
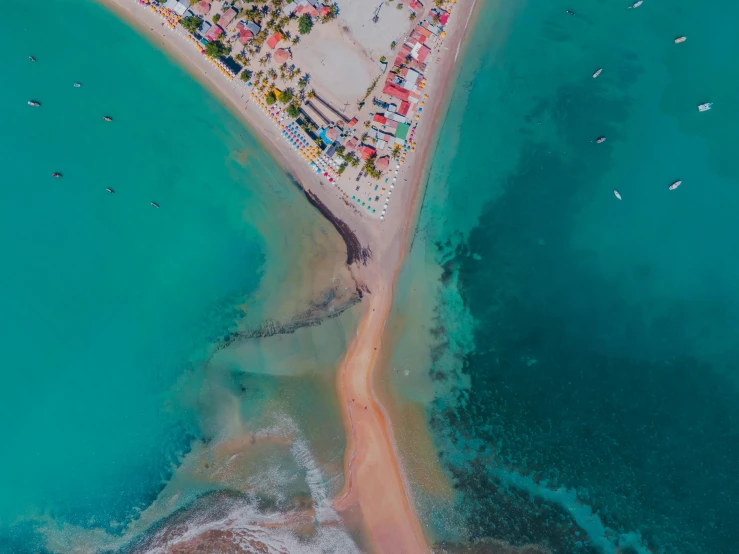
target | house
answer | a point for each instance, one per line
(214, 32)
(396, 91)
(443, 18)
(324, 11)
(281, 55)
(227, 17)
(416, 6)
(201, 8)
(353, 122)
(178, 6)
(247, 31)
(382, 163)
(350, 145)
(304, 7)
(403, 109)
(366, 152)
(402, 131)
(379, 119)
(273, 40)
(205, 28)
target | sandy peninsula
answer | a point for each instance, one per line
(375, 484)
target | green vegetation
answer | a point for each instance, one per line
(342, 168)
(293, 110)
(305, 24)
(439, 3)
(251, 14)
(216, 49)
(395, 154)
(369, 167)
(270, 98)
(319, 143)
(245, 75)
(333, 12)
(383, 59)
(286, 95)
(399, 6)
(192, 24)
(412, 16)
(393, 44)
(216, 18)
(360, 103)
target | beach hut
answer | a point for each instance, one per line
(382, 163)
(281, 55)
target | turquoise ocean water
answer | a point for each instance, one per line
(584, 362)
(109, 304)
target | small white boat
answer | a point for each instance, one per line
(155, 204)
(705, 107)
(616, 193)
(77, 85)
(597, 73)
(676, 184)
(34, 103)
(32, 58)
(600, 140)
(678, 40)
(636, 4)
(111, 191)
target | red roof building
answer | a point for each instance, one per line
(423, 54)
(351, 144)
(396, 91)
(403, 109)
(214, 33)
(201, 8)
(227, 17)
(273, 40)
(332, 133)
(379, 119)
(382, 163)
(443, 18)
(324, 11)
(353, 122)
(416, 6)
(366, 152)
(281, 55)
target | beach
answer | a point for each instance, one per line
(374, 477)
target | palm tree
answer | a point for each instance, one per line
(296, 39)
(364, 136)
(311, 93)
(259, 75)
(272, 74)
(395, 154)
(302, 83)
(263, 61)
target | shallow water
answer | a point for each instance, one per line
(581, 356)
(119, 400)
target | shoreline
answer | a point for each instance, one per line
(375, 480)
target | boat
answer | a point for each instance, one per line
(676, 184)
(34, 103)
(678, 40)
(107, 118)
(705, 107)
(636, 4)
(597, 73)
(57, 175)
(617, 194)
(570, 12)
(155, 204)
(111, 191)
(77, 85)
(600, 140)
(32, 58)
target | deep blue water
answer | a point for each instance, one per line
(584, 347)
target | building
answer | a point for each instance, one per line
(227, 17)
(214, 32)
(402, 131)
(273, 40)
(416, 6)
(353, 122)
(366, 152)
(396, 91)
(379, 118)
(205, 28)
(247, 31)
(382, 163)
(403, 108)
(350, 145)
(178, 6)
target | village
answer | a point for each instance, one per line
(357, 144)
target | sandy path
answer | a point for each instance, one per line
(374, 473)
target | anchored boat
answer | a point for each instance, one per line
(705, 107)
(34, 103)
(597, 73)
(111, 191)
(678, 40)
(676, 184)
(107, 118)
(155, 204)
(600, 140)
(57, 175)
(616, 193)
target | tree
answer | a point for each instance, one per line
(286, 96)
(245, 75)
(302, 83)
(305, 24)
(311, 94)
(216, 18)
(192, 24)
(333, 12)
(216, 49)
(412, 16)
(395, 154)
(293, 110)
(270, 98)
(263, 61)
(272, 74)
(353, 160)
(296, 39)
(319, 143)
(399, 6)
